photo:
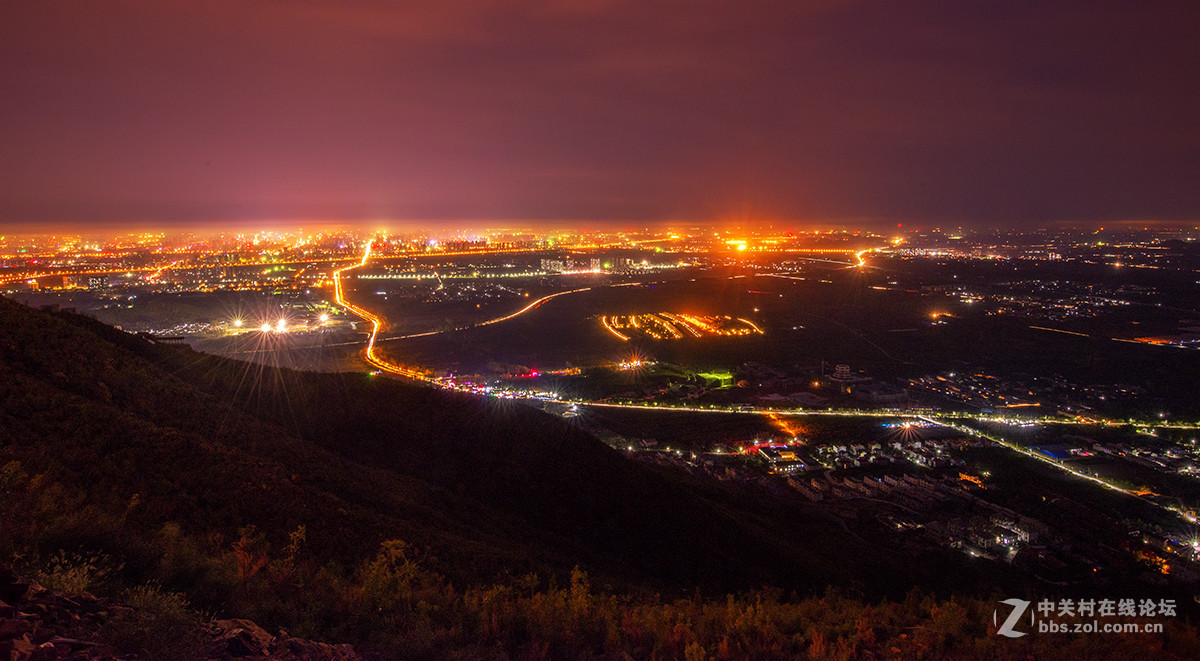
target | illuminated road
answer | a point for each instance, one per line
(330, 260)
(49, 274)
(1114, 339)
(1025, 451)
(1047, 460)
(159, 269)
(531, 306)
(175, 265)
(607, 326)
(376, 322)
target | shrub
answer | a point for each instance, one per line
(158, 625)
(77, 573)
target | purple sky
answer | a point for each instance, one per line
(178, 111)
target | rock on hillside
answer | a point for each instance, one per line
(37, 624)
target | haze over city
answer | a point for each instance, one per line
(361, 330)
(832, 112)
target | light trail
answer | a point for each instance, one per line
(360, 312)
(821, 251)
(604, 321)
(682, 323)
(665, 325)
(531, 306)
(1114, 339)
(158, 274)
(165, 267)
(1033, 455)
(50, 274)
(751, 325)
(376, 322)
(781, 424)
(1059, 330)
(845, 412)
(6, 279)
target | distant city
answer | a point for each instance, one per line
(841, 367)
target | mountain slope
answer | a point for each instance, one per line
(134, 441)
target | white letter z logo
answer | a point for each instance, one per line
(1006, 629)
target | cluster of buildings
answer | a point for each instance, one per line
(929, 452)
(1181, 457)
(948, 510)
(568, 265)
(1057, 300)
(979, 390)
(1025, 395)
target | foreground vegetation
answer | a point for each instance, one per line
(391, 607)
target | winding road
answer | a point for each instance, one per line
(377, 322)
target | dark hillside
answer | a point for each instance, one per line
(624, 518)
(217, 445)
(139, 471)
(111, 443)
(114, 448)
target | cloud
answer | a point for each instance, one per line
(480, 108)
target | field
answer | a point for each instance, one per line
(811, 322)
(794, 316)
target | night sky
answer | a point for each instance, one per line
(987, 113)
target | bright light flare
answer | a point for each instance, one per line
(266, 328)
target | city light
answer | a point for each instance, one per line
(673, 326)
(993, 407)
